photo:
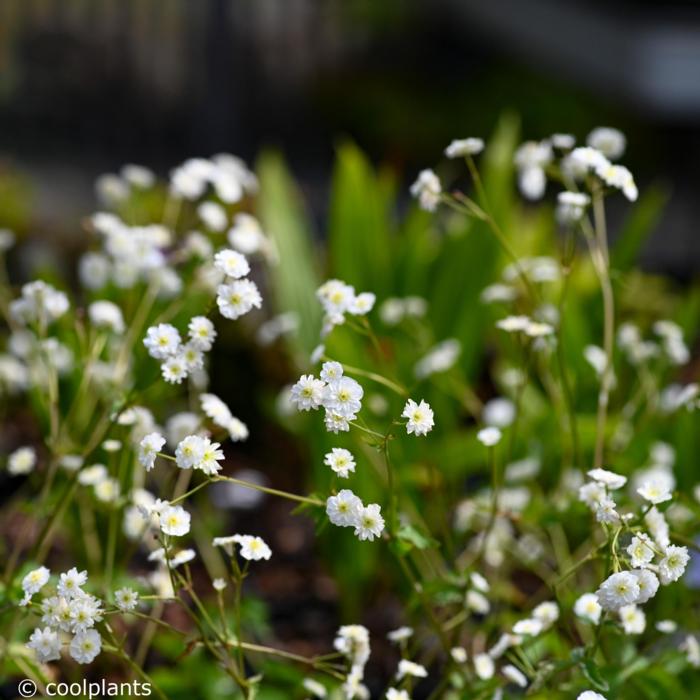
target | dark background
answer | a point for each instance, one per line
(87, 85)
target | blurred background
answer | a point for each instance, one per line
(87, 85)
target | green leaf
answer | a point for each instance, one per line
(593, 674)
(410, 534)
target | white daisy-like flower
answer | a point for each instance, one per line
(459, 148)
(691, 647)
(484, 666)
(219, 584)
(174, 369)
(70, 583)
(610, 479)
(513, 324)
(655, 491)
(478, 602)
(331, 371)
(489, 436)
(213, 215)
(666, 626)
(343, 397)
(340, 461)
(86, 646)
(420, 419)
(105, 314)
(33, 582)
(547, 613)
(21, 461)
(648, 584)
(588, 608)
(211, 456)
(396, 694)
(370, 523)
(590, 695)
(149, 448)
(162, 341)
(93, 475)
(238, 298)
(657, 526)
(201, 332)
(175, 521)
(571, 206)
(126, 599)
(232, 263)
(192, 356)
(640, 550)
(617, 590)
(344, 509)
(362, 304)
(592, 494)
(459, 655)
(46, 645)
(427, 190)
(190, 452)
(606, 511)
(410, 668)
(633, 619)
(673, 565)
(254, 548)
(307, 393)
(619, 177)
(335, 423)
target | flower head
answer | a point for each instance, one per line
(420, 417)
(427, 190)
(175, 521)
(340, 461)
(149, 448)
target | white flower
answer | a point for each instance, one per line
(190, 452)
(162, 341)
(640, 550)
(330, 371)
(648, 584)
(484, 666)
(344, 509)
(666, 626)
(514, 675)
(175, 520)
(254, 548)
(246, 235)
(211, 456)
(192, 357)
(610, 479)
(343, 397)
(513, 324)
(620, 177)
(479, 582)
(335, 423)
(232, 263)
(336, 297)
(498, 412)
(237, 298)
(530, 160)
(105, 314)
(213, 215)
(174, 369)
(395, 694)
(633, 619)
(126, 599)
(605, 511)
(420, 417)
(400, 635)
(610, 142)
(588, 608)
(46, 644)
(21, 461)
(149, 448)
(571, 206)
(489, 436)
(440, 358)
(477, 602)
(657, 526)
(33, 582)
(219, 584)
(654, 491)
(410, 668)
(307, 393)
(202, 333)
(85, 646)
(528, 627)
(427, 190)
(547, 613)
(464, 147)
(563, 141)
(618, 590)
(590, 695)
(93, 475)
(70, 582)
(672, 566)
(692, 650)
(459, 655)
(340, 461)
(370, 523)
(362, 304)
(353, 642)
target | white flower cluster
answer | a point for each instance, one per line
(338, 299)
(347, 510)
(235, 296)
(69, 617)
(178, 360)
(340, 396)
(221, 415)
(228, 175)
(40, 304)
(353, 642)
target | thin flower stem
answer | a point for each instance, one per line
(273, 492)
(189, 493)
(397, 388)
